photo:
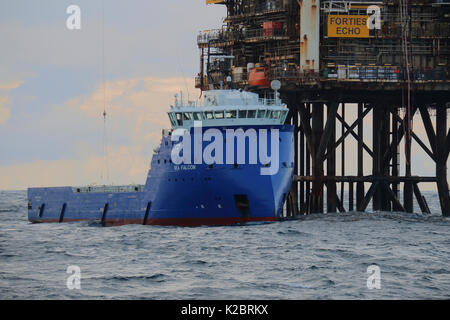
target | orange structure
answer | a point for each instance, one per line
(259, 77)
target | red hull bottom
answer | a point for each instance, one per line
(184, 222)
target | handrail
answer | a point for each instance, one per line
(205, 37)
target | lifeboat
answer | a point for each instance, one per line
(259, 77)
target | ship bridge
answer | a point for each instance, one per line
(228, 108)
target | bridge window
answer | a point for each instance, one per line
(230, 114)
(179, 119)
(242, 114)
(209, 115)
(219, 114)
(172, 119)
(188, 116)
(276, 114)
(251, 114)
(198, 116)
(261, 113)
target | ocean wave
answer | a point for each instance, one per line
(323, 256)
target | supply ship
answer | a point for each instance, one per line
(229, 177)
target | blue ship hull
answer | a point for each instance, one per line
(182, 195)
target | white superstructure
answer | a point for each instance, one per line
(228, 108)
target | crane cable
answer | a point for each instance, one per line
(104, 114)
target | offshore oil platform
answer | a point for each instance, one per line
(390, 59)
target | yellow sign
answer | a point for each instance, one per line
(347, 26)
(213, 1)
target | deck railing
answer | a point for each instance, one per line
(109, 189)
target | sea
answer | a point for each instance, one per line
(372, 255)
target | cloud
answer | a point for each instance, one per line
(143, 102)
(5, 100)
(126, 166)
(137, 112)
(5, 113)
(10, 85)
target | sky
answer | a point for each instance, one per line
(52, 92)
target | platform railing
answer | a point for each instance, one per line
(109, 189)
(205, 37)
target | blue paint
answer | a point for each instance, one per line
(195, 192)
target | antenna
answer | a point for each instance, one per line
(276, 85)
